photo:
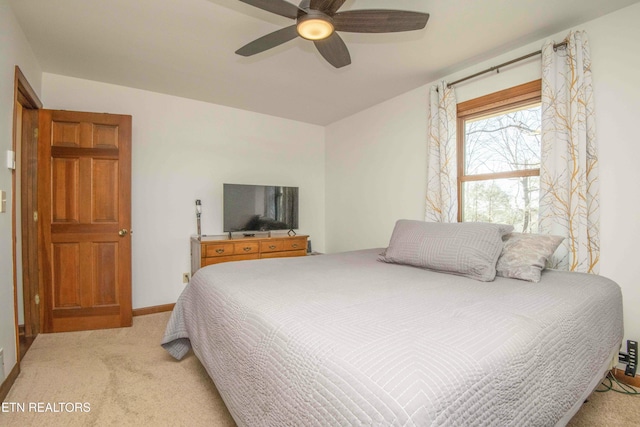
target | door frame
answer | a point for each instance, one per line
(28, 99)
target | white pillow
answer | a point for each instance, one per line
(524, 256)
(468, 249)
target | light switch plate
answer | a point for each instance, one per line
(3, 201)
(11, 159)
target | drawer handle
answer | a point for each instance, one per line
(246, 249)
(220, 251)
(272, 246)
(295, 245)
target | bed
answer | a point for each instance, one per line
(345, 339)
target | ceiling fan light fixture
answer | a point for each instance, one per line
(314, 28)
(319, 21)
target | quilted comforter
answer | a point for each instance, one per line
(341, 340)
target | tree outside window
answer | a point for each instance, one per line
(499, 158)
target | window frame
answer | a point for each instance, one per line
(504, 100)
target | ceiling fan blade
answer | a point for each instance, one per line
(270, 40)
(334, 50)
(279, 7)
(327, 6)
(379, 21)
(305, 4)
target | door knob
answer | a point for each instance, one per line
(122, 232)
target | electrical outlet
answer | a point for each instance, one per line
(1, 365)
(185, 277)
(630, 358)
(632, 349)
(3, 201)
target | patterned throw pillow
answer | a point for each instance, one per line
(468, 249)
(524, 256)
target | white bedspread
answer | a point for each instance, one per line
(340, 340)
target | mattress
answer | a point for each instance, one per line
(345, 339)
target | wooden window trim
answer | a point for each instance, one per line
(517, 96)
(502, 100)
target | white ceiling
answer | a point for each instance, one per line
(186, 48)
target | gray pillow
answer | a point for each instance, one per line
(524, 256)
(469, 249)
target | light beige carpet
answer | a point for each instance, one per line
(128, 379)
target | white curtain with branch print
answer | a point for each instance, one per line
(569, 190)
(442, 200)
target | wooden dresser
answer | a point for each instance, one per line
(215, 249)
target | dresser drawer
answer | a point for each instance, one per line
(218, 249)
(283, 254)
(221, 259)
(207, 250)
(272, 246)
(246, 248)
(295, 244)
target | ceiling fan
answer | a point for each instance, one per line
(318, 21)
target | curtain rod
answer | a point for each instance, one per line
(504, 64)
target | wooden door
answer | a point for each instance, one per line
(84, 188)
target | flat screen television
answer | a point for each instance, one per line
(250, 208)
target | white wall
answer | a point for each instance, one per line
(616, 69)
(14, 50)
(376, 159)
(375, 163)
(184, 150)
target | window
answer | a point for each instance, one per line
(499, 157)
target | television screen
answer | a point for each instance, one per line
(259, 207)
